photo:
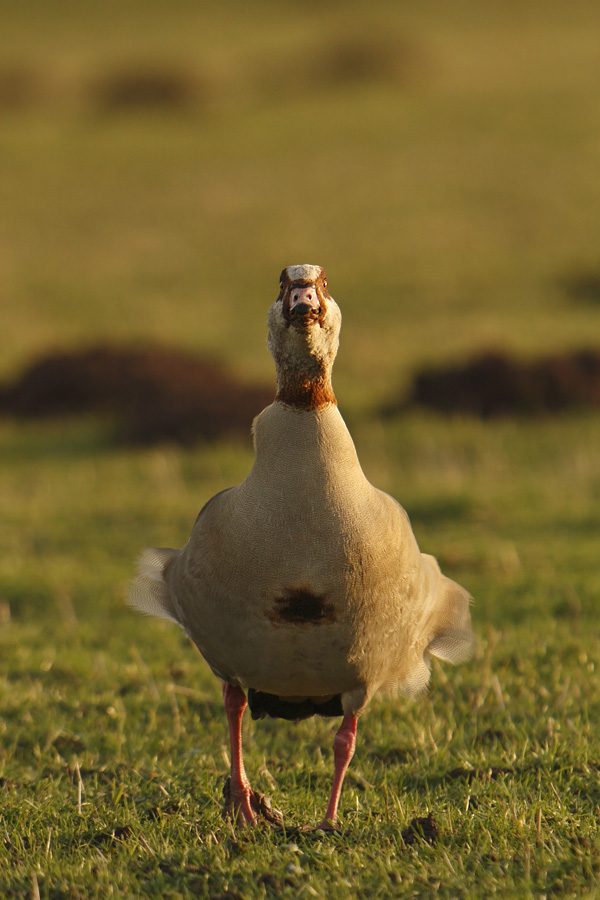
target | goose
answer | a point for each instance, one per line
(303, 587)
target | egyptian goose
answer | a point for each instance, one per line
(304, 584)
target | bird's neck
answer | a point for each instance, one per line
(305, 390)
(299, 449)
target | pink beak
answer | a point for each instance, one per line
(304, 300)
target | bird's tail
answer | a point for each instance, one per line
(149, 592)
(452, 640)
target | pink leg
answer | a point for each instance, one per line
(343, 751)
(241, 794)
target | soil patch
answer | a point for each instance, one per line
(496, 384)
(148, 86)
(154, 394)
(583, 287)
(421, 828)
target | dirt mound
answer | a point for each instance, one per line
(582, 286)
(153, 393)
(148, 86)
(495, 384)
(422, 827)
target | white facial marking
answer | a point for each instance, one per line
(303, 273)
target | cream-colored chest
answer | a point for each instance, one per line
(306, 518)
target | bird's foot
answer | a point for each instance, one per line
(247, 807)
(327, 825)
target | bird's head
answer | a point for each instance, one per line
(304, 323)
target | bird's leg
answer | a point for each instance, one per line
(343, 751)
(241, 795)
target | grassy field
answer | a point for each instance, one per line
(160, 165)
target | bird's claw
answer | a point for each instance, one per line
(248, 807)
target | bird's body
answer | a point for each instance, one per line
(304, 583)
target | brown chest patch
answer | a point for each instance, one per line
(305, 393)
(301, 607)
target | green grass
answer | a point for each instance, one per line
(448, 198)
(510, 509)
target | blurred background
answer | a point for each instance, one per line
(161, 163)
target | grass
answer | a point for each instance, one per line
(449, 198)
(504, 751)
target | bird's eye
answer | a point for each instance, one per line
(324, 282)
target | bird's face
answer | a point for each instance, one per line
(304, 322)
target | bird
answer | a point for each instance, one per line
(303, 587)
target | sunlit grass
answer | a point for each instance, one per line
(503, 751)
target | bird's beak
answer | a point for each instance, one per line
(304, 302)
